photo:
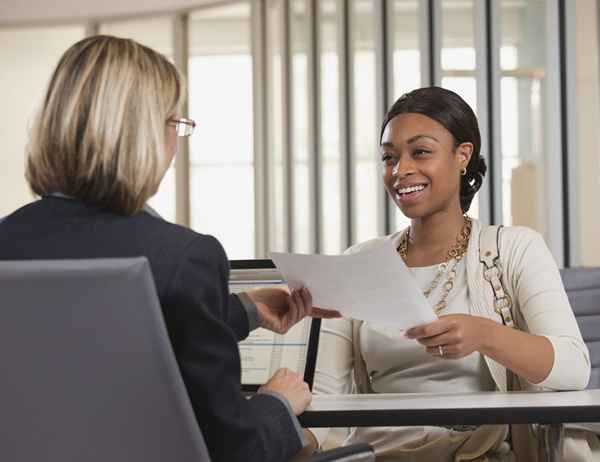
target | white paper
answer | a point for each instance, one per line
(374, 285)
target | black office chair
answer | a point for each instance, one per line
(583, 289)
(88, 373)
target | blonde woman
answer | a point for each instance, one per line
(107, 130)
(432, 168)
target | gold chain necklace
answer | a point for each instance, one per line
(453, 258)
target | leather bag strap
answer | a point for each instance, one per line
(489, 255)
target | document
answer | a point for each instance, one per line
(374, 285)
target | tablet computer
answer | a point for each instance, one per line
(263, 351)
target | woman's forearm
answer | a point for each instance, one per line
(529, 356)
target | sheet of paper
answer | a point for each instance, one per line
(375, 285)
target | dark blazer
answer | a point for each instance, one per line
(204, 321)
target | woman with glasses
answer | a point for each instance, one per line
(106, 133)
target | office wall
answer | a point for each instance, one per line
(588, 135)
(28, 54)
(27, 58)
(29, 11)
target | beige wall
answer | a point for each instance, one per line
(27, 57)
(28, 11)
(588, 130)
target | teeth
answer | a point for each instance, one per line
(411, 189)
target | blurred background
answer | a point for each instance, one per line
(288, 96)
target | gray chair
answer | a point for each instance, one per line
(583, 289)
(88, 373)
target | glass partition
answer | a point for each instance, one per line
(524, 105)
(367, 184)
(301, 206)
(278, 130)
(331, 159)
(458, 58)
(221, 151)
(407, 56)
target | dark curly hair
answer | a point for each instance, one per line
(454, 114)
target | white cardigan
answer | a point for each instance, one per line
(531, 278)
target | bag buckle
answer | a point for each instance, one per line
(503, 306)
(502, 301)
(491, 272)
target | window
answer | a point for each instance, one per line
(288, 97)
(221, 151)
(458, 60)
(331, 156)
(407, 64)
(367, 184)
(528, 95)
(301, 181)
(278, 129)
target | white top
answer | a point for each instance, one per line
(540, 306)
(400, 365)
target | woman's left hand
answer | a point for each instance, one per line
(453, 336)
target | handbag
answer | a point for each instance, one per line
(530, 442)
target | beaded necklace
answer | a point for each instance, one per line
(454, 256)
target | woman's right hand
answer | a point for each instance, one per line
(290, 385)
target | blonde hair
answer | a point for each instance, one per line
(100, 134)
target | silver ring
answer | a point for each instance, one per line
(441, 350)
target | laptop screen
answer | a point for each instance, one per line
(263, 352)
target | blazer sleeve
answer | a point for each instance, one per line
(203, 273)
(545, 307)
(197, 310)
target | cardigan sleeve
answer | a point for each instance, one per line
(543, 303)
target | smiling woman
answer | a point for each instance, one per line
(432, 169)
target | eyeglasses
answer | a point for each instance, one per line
(184, 127)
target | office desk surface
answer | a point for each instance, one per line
(452, 409)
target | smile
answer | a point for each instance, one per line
(410, 194)
(411, 189)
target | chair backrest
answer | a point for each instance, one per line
(88, 373)
(583, 289)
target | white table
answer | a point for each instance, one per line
(406, 409)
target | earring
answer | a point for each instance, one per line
(463, 171)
